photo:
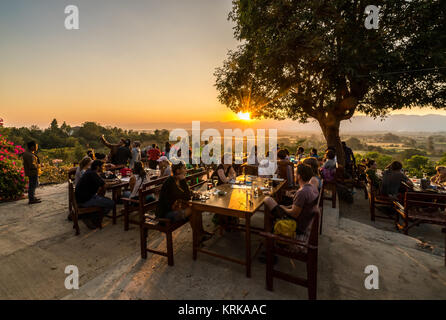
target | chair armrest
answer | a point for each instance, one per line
(129, 200)
(398, 205)
(276, 237)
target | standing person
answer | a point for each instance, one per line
(350, 161)
(113, 148)
(153, 155)
(167, 149)
(123, 155)
(31, 164)
(300, 154)
(90, 192)
(136, 154)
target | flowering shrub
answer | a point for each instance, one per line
(12, 176)
(53, 171)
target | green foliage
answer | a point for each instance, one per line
(390, 137)
(87, 136)
(442, 161)
(418, 165)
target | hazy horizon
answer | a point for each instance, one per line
(131, 63)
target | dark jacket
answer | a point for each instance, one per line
(31, 164)
(169, 194)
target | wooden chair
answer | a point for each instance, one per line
(377, 199)
(303, 248)
(76, 211)
(444, 231)
(420, 207)
(150, 222)
(331, 187)
(282, 172)
(132, 205)
(320, 203)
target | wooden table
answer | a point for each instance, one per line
(115, 188)
(235, 204)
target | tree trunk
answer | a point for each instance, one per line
(331, 134)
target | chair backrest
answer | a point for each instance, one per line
(71, 175)
(197, 179)
(71, 195)
(282, 170)
(424, 199)
(320, 200)
(313, 239)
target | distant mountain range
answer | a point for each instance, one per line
(394, 123)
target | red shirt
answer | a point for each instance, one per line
(154, 154)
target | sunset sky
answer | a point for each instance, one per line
(133, 61)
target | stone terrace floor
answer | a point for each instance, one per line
(37, 243)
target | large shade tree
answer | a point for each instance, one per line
(315, 59)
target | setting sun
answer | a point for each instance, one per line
(244, 115)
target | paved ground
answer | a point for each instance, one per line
(37, 243)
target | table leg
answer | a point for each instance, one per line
(195, 234)
(114, 196)
(248, 245)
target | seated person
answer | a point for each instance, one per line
(314, 154)
(90, 192)
(304, 204)
(174, 197)
(137, 180)
(371, 174)
(224, 173)
(440, 177)
(328, 170)
(315, 179)
(285, 168)
(392, 178)
(300, 154)
(82, 168)
(165, 166)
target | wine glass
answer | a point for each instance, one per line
(215, 182)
